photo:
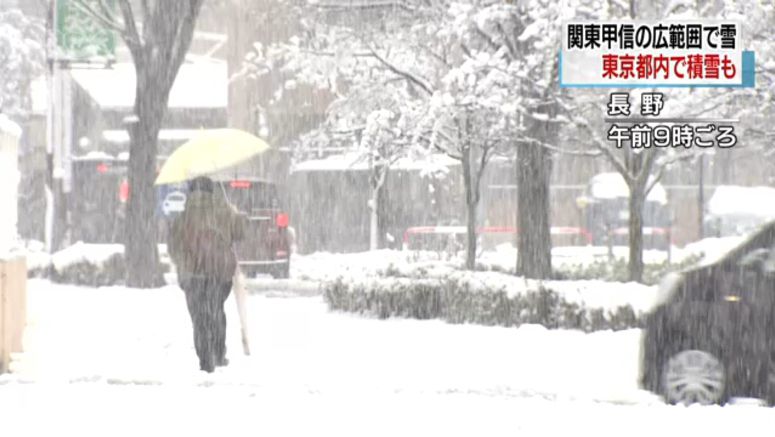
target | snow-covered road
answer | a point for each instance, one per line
(114, 361)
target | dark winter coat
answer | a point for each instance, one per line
(202, 238)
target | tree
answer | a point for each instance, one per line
(22, 59)
(469, 133)
(384, 147)
(526, 36)
(373, 109)
(158, 37)
(374, 121)
(453, 60)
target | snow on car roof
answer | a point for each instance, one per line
(737, 200)
(197, 85)
(612, 186)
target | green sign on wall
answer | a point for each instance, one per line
(80, 36)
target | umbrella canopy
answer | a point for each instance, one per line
(211, 151)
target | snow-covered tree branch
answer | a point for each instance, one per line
(22, 59)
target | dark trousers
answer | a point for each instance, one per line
(205, 298)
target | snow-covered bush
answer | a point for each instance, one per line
(616, 270)
(83, 264)
(89, 264)
(38, 260)
(22, 59)
(491, 298)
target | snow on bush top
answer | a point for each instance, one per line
(93, 254)
(585, 293)
(392, 269)
(9, 127)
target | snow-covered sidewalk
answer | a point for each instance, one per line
(126, 336)
(114, 361)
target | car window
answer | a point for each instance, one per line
(250, 196)
(768, 264)
(752, 279)
(754, 258)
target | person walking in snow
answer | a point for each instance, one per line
(201, 245)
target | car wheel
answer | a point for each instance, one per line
(693, 376)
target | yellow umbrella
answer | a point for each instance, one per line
(210, 151)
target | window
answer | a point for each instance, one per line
(252, 196)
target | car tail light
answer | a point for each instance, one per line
(123, 191)
(240, 184)
(281, 254)
(102, 168)
(281, 220)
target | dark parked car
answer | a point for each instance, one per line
(267, 245)
(98, 198)
(712, 335)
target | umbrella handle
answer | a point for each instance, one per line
(225, 195)
(223, 190)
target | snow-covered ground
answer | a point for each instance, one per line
(115, 361)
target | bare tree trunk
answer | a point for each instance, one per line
(141, 230)
(637, 198)
(472, 200)
(384, 209)
(376, 209)
(534, 244)
(374, 219)
(639, 165)
(158, 51)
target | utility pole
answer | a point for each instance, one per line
(59, 116)
(58, 138)
(51, 74)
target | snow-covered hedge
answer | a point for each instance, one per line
(491, 298)
(38, 261)
(617, 269)
(83, 264)
(89, 264)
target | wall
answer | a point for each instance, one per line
(13, 270)
(13, 308)
(9, 181)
